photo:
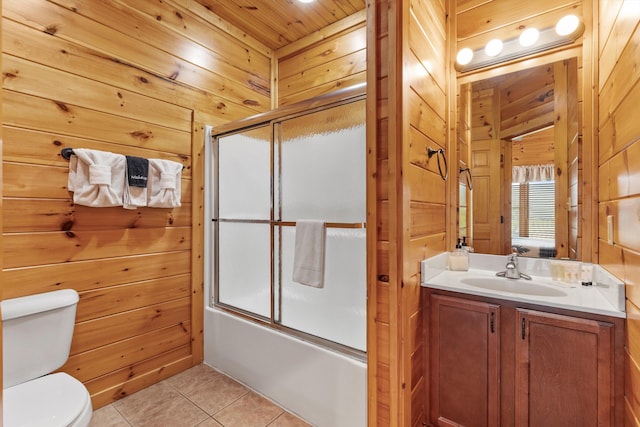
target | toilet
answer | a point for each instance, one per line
(36, 340)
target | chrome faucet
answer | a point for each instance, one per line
(512, 271)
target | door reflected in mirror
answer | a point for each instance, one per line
(519, 135)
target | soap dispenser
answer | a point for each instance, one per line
(459, 259)
(465, 247)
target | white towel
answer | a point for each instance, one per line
(96, 177)
(308, 258)
(164, 183)
(134, 197)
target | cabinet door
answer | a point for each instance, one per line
(563, 371)
(465, 371)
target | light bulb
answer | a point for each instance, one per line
(493, 48)
(529, 37)
(464, 56)
(567, 25)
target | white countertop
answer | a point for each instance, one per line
(605, 296)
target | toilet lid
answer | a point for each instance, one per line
(52, 400)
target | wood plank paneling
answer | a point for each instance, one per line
(80, 275)
(29, 249)
(501, 19)
(280, 24)
(619, 160)
(33, 215)
(322, 64)
(107, 330)
(410, 105)
(103, 360)
(26, 77)
(115, 299)
(137, 78)
(108, 388)
(1, 218)
(97, 32)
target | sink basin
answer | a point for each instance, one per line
(514, 286)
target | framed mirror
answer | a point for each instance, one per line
(519, 143)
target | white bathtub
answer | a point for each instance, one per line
(326, 388)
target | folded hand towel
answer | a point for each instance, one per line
(309, 254)
(135, 193)
(164, 183)
(96, 178)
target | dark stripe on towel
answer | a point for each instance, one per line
(137, 171)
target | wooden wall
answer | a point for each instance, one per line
(535, 149)
(1, 227)
(426, 112)
(325, 61)
(133, 77)
(409, 68)
(619, 167)
(382, 317)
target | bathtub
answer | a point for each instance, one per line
(325, 388)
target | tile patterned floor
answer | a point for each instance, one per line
(200, 396)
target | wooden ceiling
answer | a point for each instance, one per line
(276, 23)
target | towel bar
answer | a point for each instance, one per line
(292, 223)
(328, 224)
(68, 152)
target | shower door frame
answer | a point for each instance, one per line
(273, 119)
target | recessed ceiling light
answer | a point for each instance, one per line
(306, 1)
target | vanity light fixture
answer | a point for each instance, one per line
(566, 31)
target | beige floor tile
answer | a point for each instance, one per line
(251, 410)
(107, 417)
(209, 422)
(183, 399)
(160, 405)
(288, 420)
(191, 379)
(217, 394)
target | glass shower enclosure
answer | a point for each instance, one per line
(309, 165)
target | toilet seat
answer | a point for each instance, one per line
(52, 400)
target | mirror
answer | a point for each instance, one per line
(518, 149)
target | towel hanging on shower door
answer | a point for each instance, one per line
(309, 254)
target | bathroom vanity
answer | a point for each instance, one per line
(516, 352)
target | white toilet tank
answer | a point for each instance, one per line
(36, 334)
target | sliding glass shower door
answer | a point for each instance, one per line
(321, 175)
(243, 230)
(311, 166)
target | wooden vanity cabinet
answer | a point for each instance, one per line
(564, 370)
(465, 364)
(499, 363)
